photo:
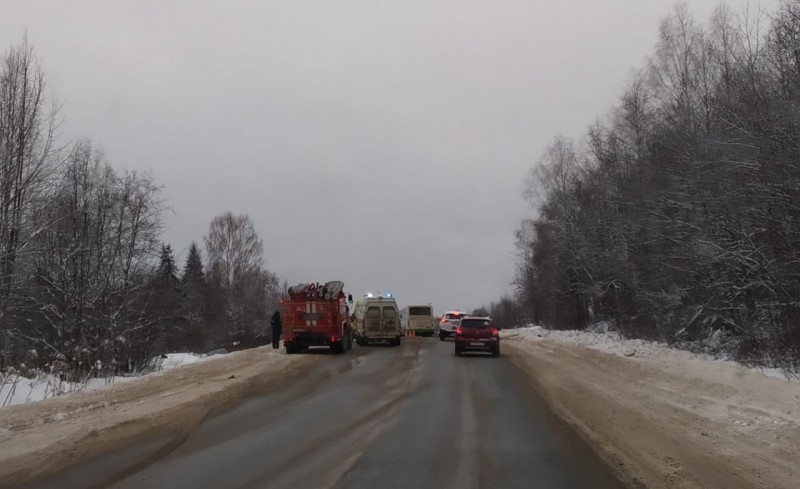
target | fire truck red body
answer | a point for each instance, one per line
(316, 315)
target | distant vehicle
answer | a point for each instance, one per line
(419, 319)
(316, 315)
(477, 333)
(448, 323)
(376, 318)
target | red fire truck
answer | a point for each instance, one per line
(317, 315)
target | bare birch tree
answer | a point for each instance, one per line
(235, 257)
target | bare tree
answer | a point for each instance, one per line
(235, 256)
(27, 125)
(84, 297)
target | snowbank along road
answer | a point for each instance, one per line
(666, 418)
(414, 416)
(44, 437)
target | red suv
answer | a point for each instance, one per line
(475, 333)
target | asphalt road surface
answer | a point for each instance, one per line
(378, 417)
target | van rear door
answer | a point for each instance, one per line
(391, 322)
(372, 319)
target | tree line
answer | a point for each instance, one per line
(85, 281)
(677, 217)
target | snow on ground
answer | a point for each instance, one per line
(16, 389)
(42, 437)
(612, 342)
(174, 360)
(666, 417)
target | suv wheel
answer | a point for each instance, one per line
(442, 336)
(458, 351)
(496, 352)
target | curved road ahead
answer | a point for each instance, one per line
(380, 417)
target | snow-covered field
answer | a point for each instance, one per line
(665, 417)
(16, 389)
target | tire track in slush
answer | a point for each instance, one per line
(319, 460)
(353, 438)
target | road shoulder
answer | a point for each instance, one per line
(37, 440)
(657, 425)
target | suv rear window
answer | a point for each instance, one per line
(419, 311)
(476, 323)
(453, 315)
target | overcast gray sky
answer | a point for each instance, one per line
(382, 143)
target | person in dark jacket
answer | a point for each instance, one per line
(277, 329)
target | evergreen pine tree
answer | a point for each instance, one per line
(193, 270)
(167, 271)
(194, 298)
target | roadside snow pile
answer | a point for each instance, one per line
(16, 389)
(174, 360)
(612, 342)
(664, 417)
(41, 438)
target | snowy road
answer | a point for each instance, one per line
(414, 416)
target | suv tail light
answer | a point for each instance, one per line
(495, 332)
(444, 319)
(459, 330)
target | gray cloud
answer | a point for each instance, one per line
(380, 143)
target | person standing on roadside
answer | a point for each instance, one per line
(277, 330)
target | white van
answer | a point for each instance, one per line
(419, 319)
(376, 318)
